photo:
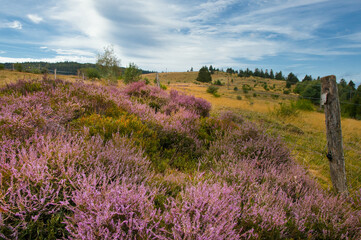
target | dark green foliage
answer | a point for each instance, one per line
(279, 76)
(239, 97)
(204, 75)
(271, 75)
(18, 67)
(218, 82)
(235, 89)
(309, 90)
(212, 89)
(211, 69)
(92, 73)
(307, 78)
(2, 66)
(230, 71)
(287, 109)
(132, 73)
(291, 80)
(354, 108)
(246, 88)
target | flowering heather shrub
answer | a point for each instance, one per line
(204, 211)
(80, 161)
(198, 105)
(38, 177)
(167, 103)
(113, 211)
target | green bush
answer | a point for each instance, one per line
(92, 73)
(305, 105)
(286, 109)
(239, 97)
(246, 88)
(235, 89)
(213, 90)
(18, 67)
(2, 66)
(132, 73)
(218, 82)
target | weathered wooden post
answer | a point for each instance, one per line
(335, 155)
(55, 73)
(157, 78)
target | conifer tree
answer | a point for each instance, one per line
(204, 75)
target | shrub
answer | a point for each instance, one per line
(132, 73)
(2, 66)
(212, 90)
(287, 109)
(235, 89)
(92, 73)
(218, 82)
(305, 105)
(239, 97)
(18, 67)
(246, 88)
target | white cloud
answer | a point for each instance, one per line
(35, 18)
(2, 52)
(79, 59)
(72, 52)
(13, 25)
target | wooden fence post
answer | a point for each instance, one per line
(157, 78)
(55, 73)
(335, 155)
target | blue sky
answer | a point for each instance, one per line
(317, 37)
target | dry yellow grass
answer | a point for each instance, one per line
(7, 76)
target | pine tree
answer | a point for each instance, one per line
(271, 75)
(279, 76)
(291, 80)
(204, 75)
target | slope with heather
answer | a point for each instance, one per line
(82, 161)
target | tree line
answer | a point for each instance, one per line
(307, 88)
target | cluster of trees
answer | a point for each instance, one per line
(349, 95)
(205, 74)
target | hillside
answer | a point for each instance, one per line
(85, 161)
(303, 130)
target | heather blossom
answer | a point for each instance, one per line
(81, 161)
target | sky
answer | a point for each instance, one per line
(314, 37)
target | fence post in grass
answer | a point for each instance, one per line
(157, 78)
(329, 99)
(55, 73)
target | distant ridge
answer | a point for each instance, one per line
(65, 68)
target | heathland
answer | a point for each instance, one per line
(88, 160)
